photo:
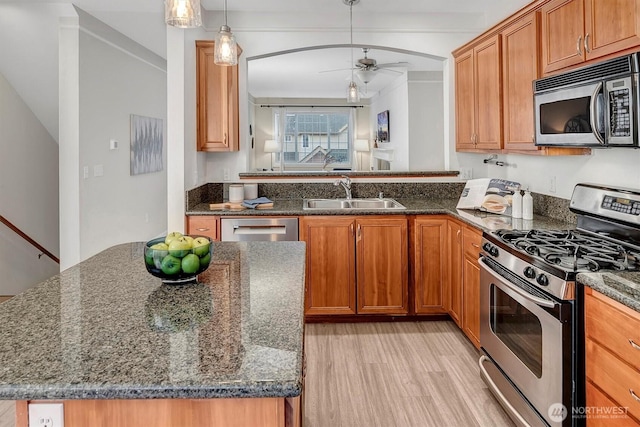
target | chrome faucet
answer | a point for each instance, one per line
(346, 184)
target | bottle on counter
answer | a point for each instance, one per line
(516, 204)
(527, 205)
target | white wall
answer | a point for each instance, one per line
(117, 78)
(426, 121)
(28, 194)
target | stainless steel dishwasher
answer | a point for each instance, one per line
(259, 229)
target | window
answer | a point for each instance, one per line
(309, 137)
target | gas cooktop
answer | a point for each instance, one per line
(571, 250)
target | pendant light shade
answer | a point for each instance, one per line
(353, 94)
(226, 49)
(182, 13)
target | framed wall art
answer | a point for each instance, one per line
(147, 138)
(383, 126)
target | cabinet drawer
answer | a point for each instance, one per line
(471, 239)
(204, 225)
(613, 326)
(612, 413)
(617, 379)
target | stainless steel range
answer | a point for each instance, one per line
(531, 309)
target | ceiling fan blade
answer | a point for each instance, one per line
(331, 71)
(389, 71)
(393, 64)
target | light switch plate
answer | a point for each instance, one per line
(46, 415)
(466, 173)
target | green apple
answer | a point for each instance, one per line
(190, 263)
(205, 260)
(155, 253)
(188, 239)
(170, 265)
(171, 236)
(201, 246)
(179, 247)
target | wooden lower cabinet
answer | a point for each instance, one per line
(429, 238)
(612, 359)
(203, 225)
(382, 260)
(349, 256)
(471, 239)
(453, 284)
(331, 270)
(265, 412)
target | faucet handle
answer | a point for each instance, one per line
(381, 195)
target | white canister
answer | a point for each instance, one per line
(516, 204)
(250, 191)
(527, 205)
(236, 193)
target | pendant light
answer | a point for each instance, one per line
(226, 49)
(182, 13)
(353, 94)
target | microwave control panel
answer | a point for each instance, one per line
(620, 126)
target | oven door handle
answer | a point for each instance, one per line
(538, 301)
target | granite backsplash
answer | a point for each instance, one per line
(549, 206)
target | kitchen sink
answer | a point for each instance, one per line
(340, 204)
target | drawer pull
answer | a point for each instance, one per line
(635, 396)
(202, 229)
(475, 245)
(633, 344)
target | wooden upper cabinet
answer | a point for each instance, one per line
(217, 102)
(429, 264)
(331, 271)
(611, 26)
(575, 31)
(519, 69)
(465, 102)
(382, 265)
(478, 97)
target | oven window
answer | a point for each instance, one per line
(517, 328)
(566, 116)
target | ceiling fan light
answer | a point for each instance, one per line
(365, 76)
(182, 13)
(226, 48)
(353, 95)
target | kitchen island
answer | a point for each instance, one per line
(117, 347)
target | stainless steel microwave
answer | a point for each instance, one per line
(593, 106)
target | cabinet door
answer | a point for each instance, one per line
(383, 265)
(217, 95)
(203, 225)
(330, 273)
(611, 26)
(488, 94)
(471, 239)
(519, 70)
(562, 34)
(429, 240)
(465, 102)
(453, 295)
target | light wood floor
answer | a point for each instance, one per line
(395, 374)
(386, 375)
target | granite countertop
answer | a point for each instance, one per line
(623, 287)
(107, 329)
(483, 220)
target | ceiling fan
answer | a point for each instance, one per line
(365, 68)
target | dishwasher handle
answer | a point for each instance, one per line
(259, 229)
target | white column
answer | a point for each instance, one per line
(175, 129)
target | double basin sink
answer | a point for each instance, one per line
(342, 204)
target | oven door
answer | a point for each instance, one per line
(528, 337)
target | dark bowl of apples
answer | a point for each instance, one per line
(178, 258)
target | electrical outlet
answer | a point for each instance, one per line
(552, 184)
(225, 172)
(46, 415)
(85, 172)
(466, 173)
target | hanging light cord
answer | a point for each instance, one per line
(225, 13)
(351, 27)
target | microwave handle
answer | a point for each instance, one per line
(596, 112)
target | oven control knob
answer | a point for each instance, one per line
(529, 273)
(543, 280)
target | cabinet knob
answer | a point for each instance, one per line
(635, 396)
(586, 43)
(202, 229)
(578, 50)
(633, 344)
